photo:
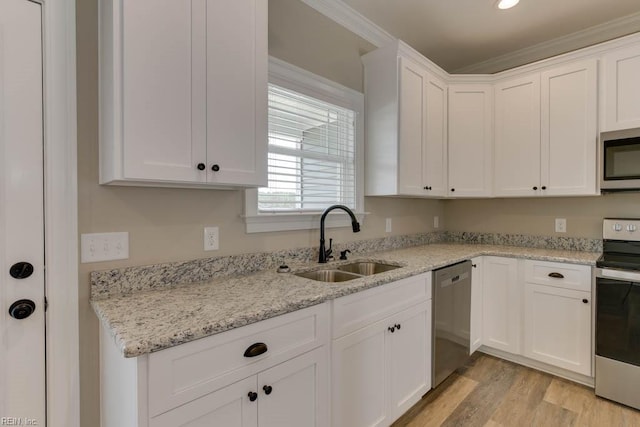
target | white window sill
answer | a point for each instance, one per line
(298, 221)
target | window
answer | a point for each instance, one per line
(315, 145)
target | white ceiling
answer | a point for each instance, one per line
(475, 36)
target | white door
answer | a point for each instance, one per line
(22, 345)
(500, 307)
(569, 131)
(434, 152)
(409, 351)
(477, 281)
(295, 393)
(517, 137)
(621, 92)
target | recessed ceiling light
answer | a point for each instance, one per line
(506, 4)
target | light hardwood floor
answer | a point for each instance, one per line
(492, 392)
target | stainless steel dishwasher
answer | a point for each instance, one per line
(451, 319)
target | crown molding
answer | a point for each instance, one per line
(345, 15)
(590, 36)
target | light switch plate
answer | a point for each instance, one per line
(561, 225)
(97, 247)
(211, 239)
(388, 225)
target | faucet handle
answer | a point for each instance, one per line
(329, 251)
(343, 254)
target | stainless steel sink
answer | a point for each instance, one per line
(366, 268)
(328, 275)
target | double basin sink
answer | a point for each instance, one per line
(346, 272)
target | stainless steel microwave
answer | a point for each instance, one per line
(620, 160)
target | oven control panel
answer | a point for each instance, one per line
(621, 229)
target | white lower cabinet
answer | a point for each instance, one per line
(477, 280)
(557, 315)
(380, 370)
(501, 304)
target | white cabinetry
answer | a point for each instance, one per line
(381, 355)
(406, 107)
(470, 148)
(183, 95)
(501, 304)
(621, 94)
(557, 316)
(546, 136)
(285, 383)
(477, 281)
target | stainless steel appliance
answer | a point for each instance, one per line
(620, 160)
(451, 319)
(617, 278)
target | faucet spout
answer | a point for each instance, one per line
(355, 225)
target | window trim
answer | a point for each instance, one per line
(294, 78)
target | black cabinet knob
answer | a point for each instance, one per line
(535, 188)
(398, 326)
(474, 265)
(544, 187)
(586, 301)
(255, 349)
(453, 189)
(22, 309)
(21, 270)
(252, 396)
(392, 329)
(267, 389)
(215, 168)
(201, 166)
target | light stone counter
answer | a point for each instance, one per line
(149, 321)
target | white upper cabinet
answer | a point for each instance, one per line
(470, 150)
(621, 94)
(546, 133)
(406, 123)
(183, 96)
(517, 136)
(569, 129)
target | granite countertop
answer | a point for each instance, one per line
(149, 321)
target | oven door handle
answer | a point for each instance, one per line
(608, 273)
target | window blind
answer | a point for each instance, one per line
(311, 161)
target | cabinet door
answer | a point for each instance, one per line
(229, 407)
(517, 137)
(476, 304)
(163, 79)
(621, 92)
(411, 116)
(557, 327)
(236, 91)
(409, 363)
(358, 378)
(569, 129)
(434, 152)
(501, 304)
(295, 393)
(470, 140)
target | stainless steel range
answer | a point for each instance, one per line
(617, 370)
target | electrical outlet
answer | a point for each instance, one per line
(96, 247)
(387, 225)
(561, 225)
(211, 239)
(436, 222)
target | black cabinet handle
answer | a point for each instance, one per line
(427, 187)
(391, 329)
(556, 275)
(252, 396)
(398, 326)
(586, 301)
(535, 188)
(215, 168)
(255, 349)
(267, 389)
(201, 166)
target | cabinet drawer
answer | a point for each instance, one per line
(355, 311)
(569, 276)
(189, 371)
